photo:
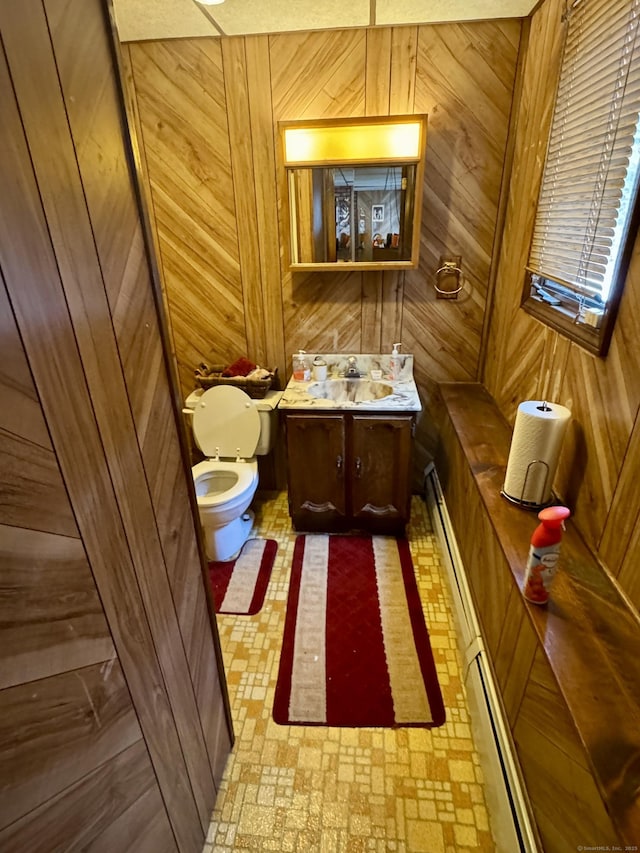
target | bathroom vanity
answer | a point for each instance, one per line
(349, 447)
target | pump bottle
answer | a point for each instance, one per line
(301, 369)
(544, 553)
(394, 363)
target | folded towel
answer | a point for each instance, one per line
(259, 373)
(241, 367)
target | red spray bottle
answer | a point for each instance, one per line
(544, 553)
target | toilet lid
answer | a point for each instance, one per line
(226, 421)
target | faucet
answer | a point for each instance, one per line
(352, 368)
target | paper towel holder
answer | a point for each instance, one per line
(532, 505)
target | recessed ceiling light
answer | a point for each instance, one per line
(210, 2)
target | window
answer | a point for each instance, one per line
(586, 218)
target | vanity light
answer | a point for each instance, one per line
(371, 140)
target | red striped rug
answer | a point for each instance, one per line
(356, 650)
(239, 586)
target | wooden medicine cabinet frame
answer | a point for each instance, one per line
(348, 151)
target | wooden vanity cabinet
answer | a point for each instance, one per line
(349, 471)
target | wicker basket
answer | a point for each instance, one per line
(254, 388)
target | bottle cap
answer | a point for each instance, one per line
(554, 516)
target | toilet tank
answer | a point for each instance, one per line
(266, 409)
(268, 421)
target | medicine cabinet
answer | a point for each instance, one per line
(355, 191)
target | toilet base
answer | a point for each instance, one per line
(224, 543)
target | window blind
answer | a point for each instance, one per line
(591, 170)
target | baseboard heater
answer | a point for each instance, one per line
(506, 799)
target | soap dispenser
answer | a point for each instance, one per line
(395, 363)
(301, 369)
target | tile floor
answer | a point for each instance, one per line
(333, 790)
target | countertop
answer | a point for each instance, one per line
(403, 397)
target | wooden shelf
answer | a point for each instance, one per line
(588, 634)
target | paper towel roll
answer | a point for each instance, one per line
(537, 438)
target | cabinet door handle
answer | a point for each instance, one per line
(358, 466)
(339, 463)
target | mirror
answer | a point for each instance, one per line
(355, 189)
(352, 214)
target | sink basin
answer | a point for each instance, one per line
(350, 390)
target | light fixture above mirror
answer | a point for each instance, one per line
(355, 190)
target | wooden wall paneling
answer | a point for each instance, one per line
(603, 396)
(244, 184)
(527, 360)
(20, 411)
(377, 100)
(504, 192)
(53, 731)
(58, 178)
(127, 280)
(516, 344)
(378, 71)
(628, 574)
(51, 617)
(464, 82)
(514, 655)
(621, 524)
(329, 74)
(29, 473)
(183, 115)
(41, 309)
(402, 80)
(321, 311)
(571, 809)
(371, 320)
(264, 145)
(502, 616)
(122, 53)
(625, 506)
(118, 802)
(489, 575)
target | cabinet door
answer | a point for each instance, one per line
(316, 462)
(380, 471)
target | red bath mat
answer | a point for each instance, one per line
(356, 650)
(239, 586)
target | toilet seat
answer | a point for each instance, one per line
(226, 423)
(246, 473)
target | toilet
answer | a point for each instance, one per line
(230, 429)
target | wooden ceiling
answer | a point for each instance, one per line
(140, 20)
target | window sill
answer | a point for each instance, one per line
(562, 321)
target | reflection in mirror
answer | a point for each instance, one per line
(352, 214)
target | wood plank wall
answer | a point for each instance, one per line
(208, 112)
(525, 360)
(113, 713)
